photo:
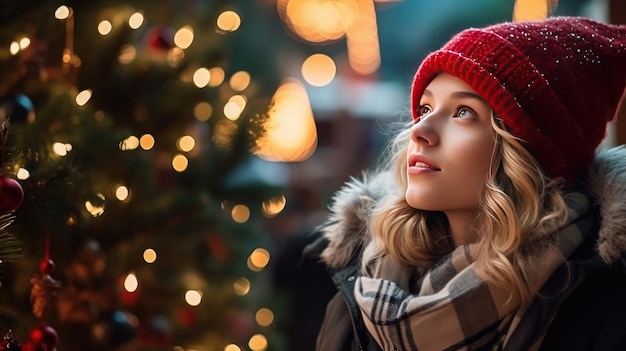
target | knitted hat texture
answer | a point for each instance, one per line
(555, 83)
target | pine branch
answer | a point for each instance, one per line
(10, 248)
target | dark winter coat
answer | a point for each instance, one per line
(589, 314)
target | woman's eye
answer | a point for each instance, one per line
(465, 112)
(423, 110)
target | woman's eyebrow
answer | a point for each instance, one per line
(467, 94)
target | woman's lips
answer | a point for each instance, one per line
(421, 162)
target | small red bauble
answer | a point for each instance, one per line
(29, 345)
(46, 266)
(160, 38)
(46, 335)
(11, 194)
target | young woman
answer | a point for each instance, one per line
(493, 223)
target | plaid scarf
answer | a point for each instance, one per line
(450, 307)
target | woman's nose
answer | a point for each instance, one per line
(424, 131)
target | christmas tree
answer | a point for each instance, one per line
(124, 224)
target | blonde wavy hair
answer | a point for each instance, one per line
(521, 211)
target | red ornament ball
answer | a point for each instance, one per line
(29, 345)
(46, 335)
(46, 266)
(160, 38)
(11, 194)
(187, 317)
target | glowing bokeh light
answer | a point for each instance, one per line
(319, 70)
(258, 342)
(258, 259)
(83, 97)
(131, 283)
(180, 163)
(185, 143)
(96, 207)
(127, 54)
(62, 12)
(136, 20)
(23, 174)
(240, 81)
(362, 40)
(241, 286)
(239, 100)
(240, 213)
(130, 143)
(273, 206)
(24, 43)
(147, 141)
(217, 76)
(232, 110)
(193, 297)
(122, 193)
(14, 48)
(184, 37)
(175, 56)
(203, 111)
(59, 148)
(201, 77)
(105, 27)
(264, 317)
(228, 21)
(290, 132)
(149, 255)
(319, 21)
(528, 10)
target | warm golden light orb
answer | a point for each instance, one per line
(240, 213)
(131, 283)
(319, 20)
(290, 131)
(130, 143)
(122, 193)
(203, 111)
(83, 97)
(258, 342)
(136, 20)
(105, 27)
(264, 317)
(258, 259)
(193, 297)
(149, 255)
(240, 81)
(528, 10)
(184, 37)
(62, 12)
(273, 206)
(147, 142)
(228, 21)
(319, 70)
(217, 76)
(242, 286)
(186, 143)
(201, 77)
(180, 163)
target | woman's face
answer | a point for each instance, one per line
(450, 149)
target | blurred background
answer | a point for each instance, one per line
(165, 162)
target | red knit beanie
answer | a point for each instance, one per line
(554, 82)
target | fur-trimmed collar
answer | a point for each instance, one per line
(346, 228)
